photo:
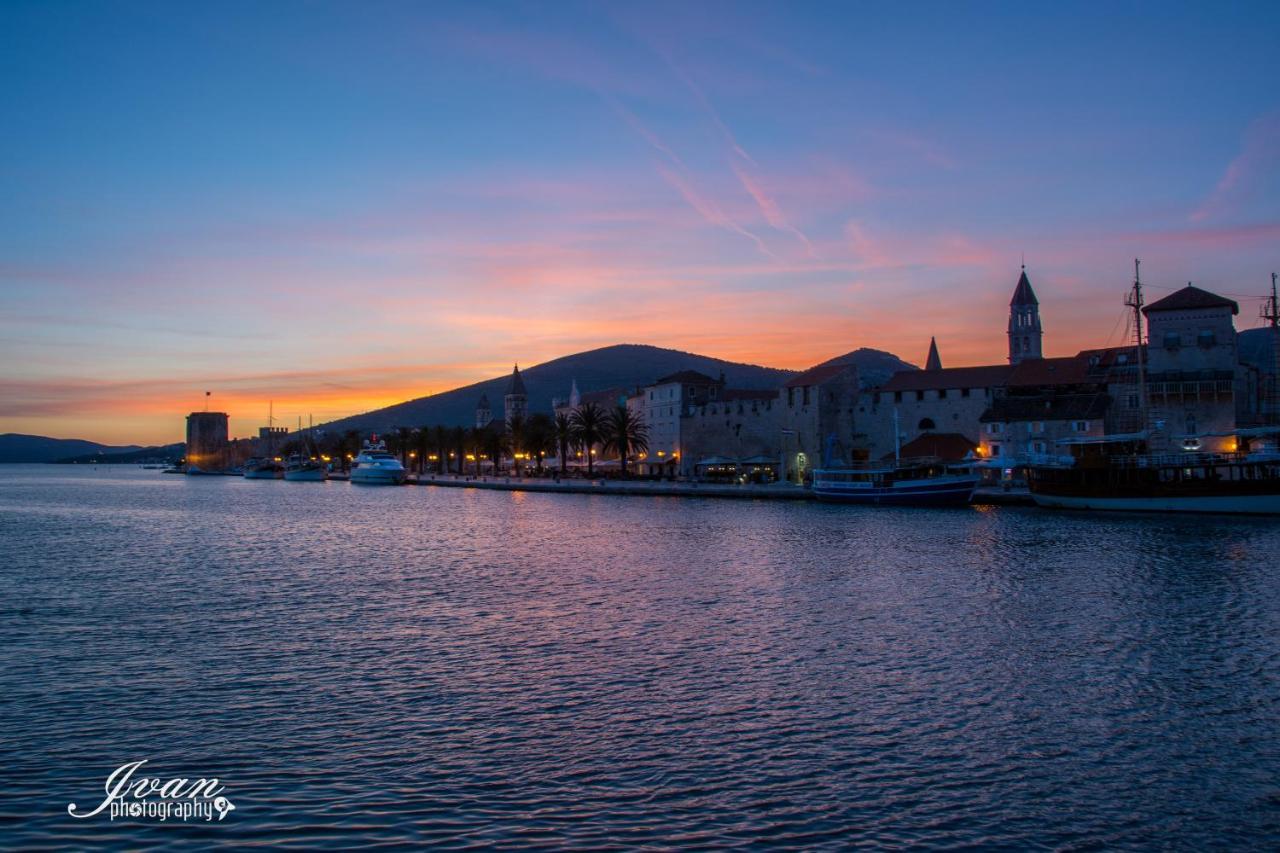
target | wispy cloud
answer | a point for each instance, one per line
(1259, 157)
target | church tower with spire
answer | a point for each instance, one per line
(933, 362)
(516, 403)
(1025, 334)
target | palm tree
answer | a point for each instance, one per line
(350, 446)
(404, 438)
(422, 444)
(625, 433)
(539, 436)
(588, 425)
(475, 445)
(459, 438)
(563, 436)
(515, 433)
(442, 447)
(495, 444)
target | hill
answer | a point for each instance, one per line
(15, 447)
(167, 453)
(618, 366)
(874, 366)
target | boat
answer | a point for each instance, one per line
(1118, 473)
(262, 468)
(926, 481)
(376, 466)
(300, 468)
(1233, 471)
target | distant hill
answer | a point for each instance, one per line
(622, 365)
(1254, 346)
(15, 447)
(618, 366)
(170, 453)
(874, 366)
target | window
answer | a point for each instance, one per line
(1036, 427)
(1205, 338)
(964, 392)
(1133, 401)
(650, 395)
(995, 428)
(897, 396)
(926, 423)
(1080, 426)
(1172, 340)
(1040, 447)
(806, 395)
(919, 396)
(942, 395)
(997, 450)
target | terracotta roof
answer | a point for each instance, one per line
(608, 398)
(1046, 407)
(1023, 294)
(1190, 298)
(1050, 371)
(989, 376)
(944, 445)
(816, 375)
(691, 377)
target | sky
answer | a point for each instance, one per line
(337, 207)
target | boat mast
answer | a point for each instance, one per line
(1134, 301)
(1271, 313)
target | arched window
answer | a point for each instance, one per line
(926, 423)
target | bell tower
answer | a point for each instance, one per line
(516, 402)
(1025, 335)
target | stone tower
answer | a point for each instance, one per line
(516, 403)
(1025, 334)
(484, 414)
(933, 362)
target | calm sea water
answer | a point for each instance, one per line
(449, 667)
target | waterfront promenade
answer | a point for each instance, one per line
(657, 488)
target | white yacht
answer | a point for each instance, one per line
(375, 466)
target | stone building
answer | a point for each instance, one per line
(1026, 338)
(1192, 362)
(207, 441)
(1043, 402)
(740, 424)
(817, 418)
(916, 402)
(516, 401)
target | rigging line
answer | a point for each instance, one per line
(1218, 292)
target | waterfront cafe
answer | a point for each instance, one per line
(723, 469)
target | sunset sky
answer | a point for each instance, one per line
(343, 206)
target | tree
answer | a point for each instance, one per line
(563, 436)
(441, 444)
(402, 440)
(459, 439)
(495, 444)
(515, 434)
(588, 425)
(539, 437)
(422, 445)
(625, 433)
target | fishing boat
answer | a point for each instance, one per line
(914, 481)
(301, 468)
(376, 466)
(903, 482)
(262, 468)
(304, 466)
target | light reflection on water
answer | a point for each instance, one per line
(452, 666)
